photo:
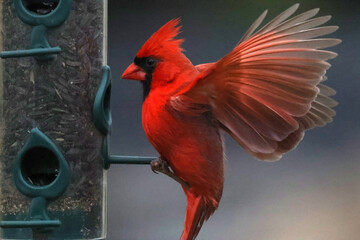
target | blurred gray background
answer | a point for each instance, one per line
(313, 193)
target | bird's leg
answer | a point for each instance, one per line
(160, 165)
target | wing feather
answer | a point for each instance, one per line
(297, 19)
(254, 26)
(278, 19)
(267, 91)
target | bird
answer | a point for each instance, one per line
(265, 94)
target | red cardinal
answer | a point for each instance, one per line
(265, 93)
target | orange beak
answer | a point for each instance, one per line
(134, 72)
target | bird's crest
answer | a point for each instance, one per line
(162, 42)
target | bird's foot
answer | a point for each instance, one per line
(160, 165)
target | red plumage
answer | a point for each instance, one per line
(265, 93)
(163, 42)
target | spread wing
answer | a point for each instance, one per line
(267, 91)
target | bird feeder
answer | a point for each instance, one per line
(55, 119)
(52, 180)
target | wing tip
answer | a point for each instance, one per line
(337, 40)
(334, 27)
(296, 6)
(332, 55)
(336, 103)
(328, 17)
(263, 15)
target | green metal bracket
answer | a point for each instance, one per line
(101, 108)
(102, 121)
(114, 159)
(42, 173)
(31, 52)
(38, 218)
(39, 45)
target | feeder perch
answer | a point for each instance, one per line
(115, 159)
(39, 45)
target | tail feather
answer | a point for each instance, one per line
(198, 210)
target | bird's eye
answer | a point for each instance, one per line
(150, 62)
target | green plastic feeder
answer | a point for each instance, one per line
(55, 120)
(52, 180)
